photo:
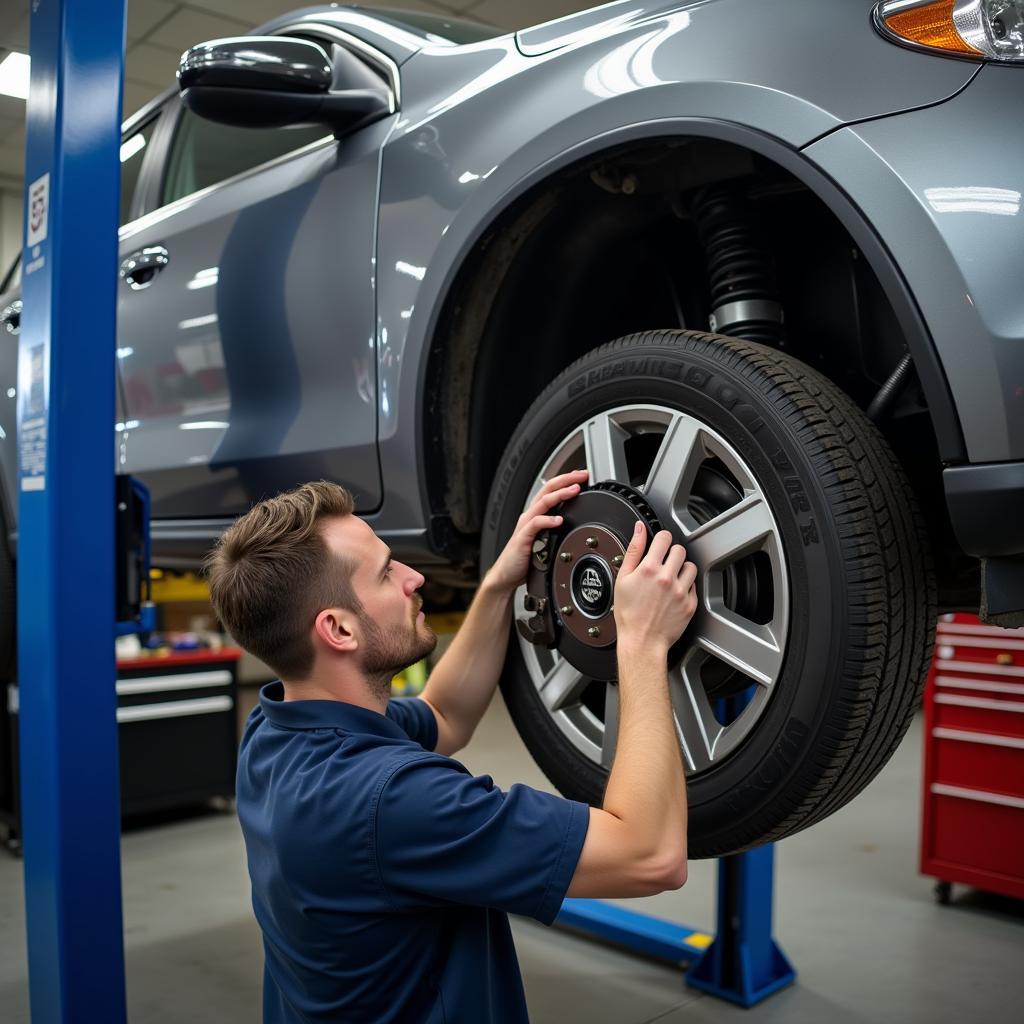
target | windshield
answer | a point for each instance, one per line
(439, 28)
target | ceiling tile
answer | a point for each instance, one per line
(525, 13)
(144, 14)
(188, 27)
(252, 12)
(11, 108)
(136, 95)
(10, 15)
(466, 5)
(151, 64)
(426, 6)
(15, 35)
(12, 162)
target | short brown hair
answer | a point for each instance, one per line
(271, 572)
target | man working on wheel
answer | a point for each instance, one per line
(382, 871)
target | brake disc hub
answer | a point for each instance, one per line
(571, 581)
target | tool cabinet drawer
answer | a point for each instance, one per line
(977, 830)
(987, 704)
(979, 760)
(974, 642)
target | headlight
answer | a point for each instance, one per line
(982, 29)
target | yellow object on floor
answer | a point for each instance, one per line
(410, 683)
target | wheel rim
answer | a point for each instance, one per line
(706, 494)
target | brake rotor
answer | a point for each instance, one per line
(571, 580)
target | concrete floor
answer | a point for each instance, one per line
(859, 924)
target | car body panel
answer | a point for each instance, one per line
(396, 41)
(847, 73)
(248, 361)
(471, 141)
(478, 125)
(944, 190)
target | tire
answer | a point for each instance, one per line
(842, 594)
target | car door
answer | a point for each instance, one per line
(135, 149)
(246, 325)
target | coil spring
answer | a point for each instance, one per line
(739, 270)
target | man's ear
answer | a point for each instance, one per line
(336, 629)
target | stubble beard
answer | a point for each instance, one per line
(386, 653)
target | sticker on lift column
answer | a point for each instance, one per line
(32, 427)
(38, 203)
(37, 221)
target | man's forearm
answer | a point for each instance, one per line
(462, 683)
(647, 785)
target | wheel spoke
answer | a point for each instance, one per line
(690, 474)
(747, 646)
(611, 724)
(562, 685)
(699, 731)
(605, 448)
(737, 531)
(675, 466)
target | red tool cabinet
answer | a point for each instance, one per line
(972, 829)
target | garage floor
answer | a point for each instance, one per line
(858, 923)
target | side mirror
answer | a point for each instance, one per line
(272, 82)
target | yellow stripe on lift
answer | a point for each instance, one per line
(699, 940)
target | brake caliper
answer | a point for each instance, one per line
(571, 580)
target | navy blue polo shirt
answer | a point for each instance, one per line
(382, 872)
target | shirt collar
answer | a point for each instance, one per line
(324, 714)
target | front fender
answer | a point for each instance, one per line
(943, 188)
(424, 245)
(482, 124)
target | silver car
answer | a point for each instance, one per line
(756, 265)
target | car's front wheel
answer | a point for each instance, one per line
(801, 670)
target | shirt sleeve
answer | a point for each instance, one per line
(445, 836)
(415, 718)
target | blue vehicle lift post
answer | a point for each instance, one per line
(742, 963)
(67, 713)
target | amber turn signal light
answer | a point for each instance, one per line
(927, 24)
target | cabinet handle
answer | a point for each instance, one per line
(175, 709)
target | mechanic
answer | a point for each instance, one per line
(382, 870)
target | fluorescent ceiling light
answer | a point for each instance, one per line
(14, 75)
(132, 146)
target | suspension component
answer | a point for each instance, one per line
(741, 277)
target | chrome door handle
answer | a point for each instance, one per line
(11, 317)
(142, 266)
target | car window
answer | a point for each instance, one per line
(204, 153)
(133, 150)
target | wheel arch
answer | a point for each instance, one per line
(476, 287)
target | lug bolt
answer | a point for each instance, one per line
(566, 556)
(593, 632)
(566, 609)
(591, 542)
(617, 561)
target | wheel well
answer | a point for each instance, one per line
(608, 246)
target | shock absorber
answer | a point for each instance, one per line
(741, 277)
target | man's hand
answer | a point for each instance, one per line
(509, 571)
(655, 597)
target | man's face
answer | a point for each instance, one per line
(392, 631)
